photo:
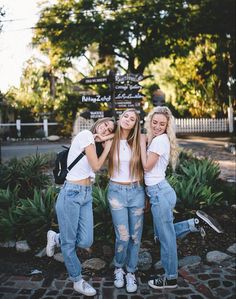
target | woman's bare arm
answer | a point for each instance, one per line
(95, 162)
(149, 160)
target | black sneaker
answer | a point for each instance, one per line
(203, 219)
(162, 282)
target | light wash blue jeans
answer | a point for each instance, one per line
(75, 219)
(126, 206)
(162, 200)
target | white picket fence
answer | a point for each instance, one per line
(183, 125)
(201, 125)
(18, 124)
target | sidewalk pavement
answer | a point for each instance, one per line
(195, 282)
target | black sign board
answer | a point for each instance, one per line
(129, 77)
(129, 96)
(96, 114)
(128, 104)
(124, 93)
(96, 98)
(128, 87)
(95, 80)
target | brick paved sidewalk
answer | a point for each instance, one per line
(195, 282)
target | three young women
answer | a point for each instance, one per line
(74, 202)
(162, 148)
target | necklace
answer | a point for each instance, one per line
(123, 145)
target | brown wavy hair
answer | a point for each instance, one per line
(100, 121)
(135, 165)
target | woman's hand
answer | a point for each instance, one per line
(100, 138)
(107, 145)
(143, 140)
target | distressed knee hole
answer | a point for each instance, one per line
(124, 236)
(135, 238)
(138, 212)
(138, 224)
(115, 204)
(120, 248)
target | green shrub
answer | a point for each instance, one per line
(29, 218)
(37, 215)
(27, 173)
(8, 218)
(102, 217)
(195, 182)
(8, 197)
(8, 224)
(206, 171)
(192, 194)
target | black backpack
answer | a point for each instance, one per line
(60, 169)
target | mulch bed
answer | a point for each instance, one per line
(15, 263)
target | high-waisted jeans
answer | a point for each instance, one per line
(75, 219)
(126, 205)
(162, 200)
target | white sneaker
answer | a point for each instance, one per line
(119, 281)
(84, 288)
(51, 243)
(131, 283)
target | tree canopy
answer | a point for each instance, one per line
(135, 32)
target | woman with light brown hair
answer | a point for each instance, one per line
(126, 197)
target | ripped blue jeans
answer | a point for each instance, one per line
(162, 199)
(126, 205)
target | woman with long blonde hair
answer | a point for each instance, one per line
(162, 149)
(126, 198)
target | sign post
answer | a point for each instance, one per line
(124, 93)
(112, 89)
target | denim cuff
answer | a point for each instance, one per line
(132, 270)
(192, 226)
(75, 279)
(117, 265)
(172, 276)
(58, 240)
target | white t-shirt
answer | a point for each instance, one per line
(123, 174)
(160, 145)
(82, 169)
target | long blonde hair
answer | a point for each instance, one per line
(133, 140)
(170, 131)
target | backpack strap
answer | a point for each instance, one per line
(76, 160)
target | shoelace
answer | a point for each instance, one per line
(119, 274)
(159, 281)
(131, 279)
(86, 286)
(202, 232)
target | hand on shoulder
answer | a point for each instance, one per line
(100, 138)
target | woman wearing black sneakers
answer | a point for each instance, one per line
(162, 147)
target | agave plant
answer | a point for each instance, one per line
(103, 223)
(37, 215)
(194, 183)
(8, 223)
(204, 170)
(27, 173)
(8, 197)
